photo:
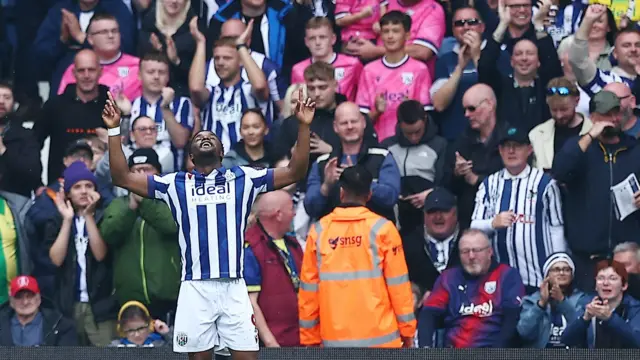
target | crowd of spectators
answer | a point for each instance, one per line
(501, 138)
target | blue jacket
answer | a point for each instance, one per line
(51, 55)
(626, 329)
(592, 227)
(287, 22)
(534, 325)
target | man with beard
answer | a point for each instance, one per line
(548, 138)
(211, 205)
(589, 166)
(630, 123)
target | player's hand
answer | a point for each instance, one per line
(305, 108)
(319, 146)
(168, 94)
(462, 165)
(161, 327)
(504, 220)
(195, 32)
(64, 206)
(111, 113)
(273, 343)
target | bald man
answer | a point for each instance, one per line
(475, 154)
(323, 194)
(272, 261)
(522, 96)
(277, 83)
(630, 123)
(73, 114)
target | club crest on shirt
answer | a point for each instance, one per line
(181, 339)
(407, 78)
(490, 287)
(339, 73)
(123, 71)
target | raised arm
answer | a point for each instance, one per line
(197, 88)
(297, 168)
(120, 174)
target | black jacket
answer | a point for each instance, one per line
(591, 224)
(322, 125)
(421, 167)
(422, 271)
(523, 107)
(104, 304)
(66, 119)
(20, 166)
(57, 330)
(486, 160)
(185, 45)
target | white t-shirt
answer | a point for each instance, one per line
(81, 240)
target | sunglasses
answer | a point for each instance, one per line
(463, 22)
(562, 91)
(473, 108)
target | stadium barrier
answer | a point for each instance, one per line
(90, 353)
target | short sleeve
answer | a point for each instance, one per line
(424, 93)
(366, 93)
(343, 8)
(251, 271)
(512, 289)
(439, 297)
(158, 186)
(432, 29)
(262, 179)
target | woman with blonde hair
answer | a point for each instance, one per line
(290, 101)
(166, 29)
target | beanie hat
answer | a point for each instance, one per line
(77, 171)
(145, 156)
(555, 258)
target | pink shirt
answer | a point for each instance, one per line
(347, 72)
(364, 27)
(427, 25)
(407, 79)
(120, 75)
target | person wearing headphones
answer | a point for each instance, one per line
(136, 328)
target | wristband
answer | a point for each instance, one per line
(240, 46)
(114, 131)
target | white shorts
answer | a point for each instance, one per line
(214, 314)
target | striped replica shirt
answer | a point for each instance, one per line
(537, 232)
(211, 212)
(181, 109)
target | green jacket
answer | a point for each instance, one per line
(145, 247)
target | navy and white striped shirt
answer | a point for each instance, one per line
(211, 212)
(181, 109)
(538, 229)
(603, 78)
(276, 83)
(566, 22)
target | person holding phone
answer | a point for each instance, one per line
(545, 314)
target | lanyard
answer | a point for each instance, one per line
(287, 259)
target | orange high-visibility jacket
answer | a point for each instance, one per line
(355, 289)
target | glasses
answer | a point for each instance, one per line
(612, 278)
(519, 6)
(106, 32)
(473, 250)
(562, 91)
(137, 330)
(473, 108)
(150, 129)
(624, 97)
(463, 22)
(566, 270)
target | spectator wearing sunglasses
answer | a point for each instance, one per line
(548, 138)
(475, 154)
(589, 166)
(456, 72)
(535, 62)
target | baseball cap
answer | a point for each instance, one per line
(603, 102)
(23, 282)
(516, 135)
(145, 156)
(79, 145)
(439, 199)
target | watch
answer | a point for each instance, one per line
(240, 46)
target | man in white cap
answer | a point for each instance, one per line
(545, 313)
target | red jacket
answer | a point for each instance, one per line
(278, 299)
